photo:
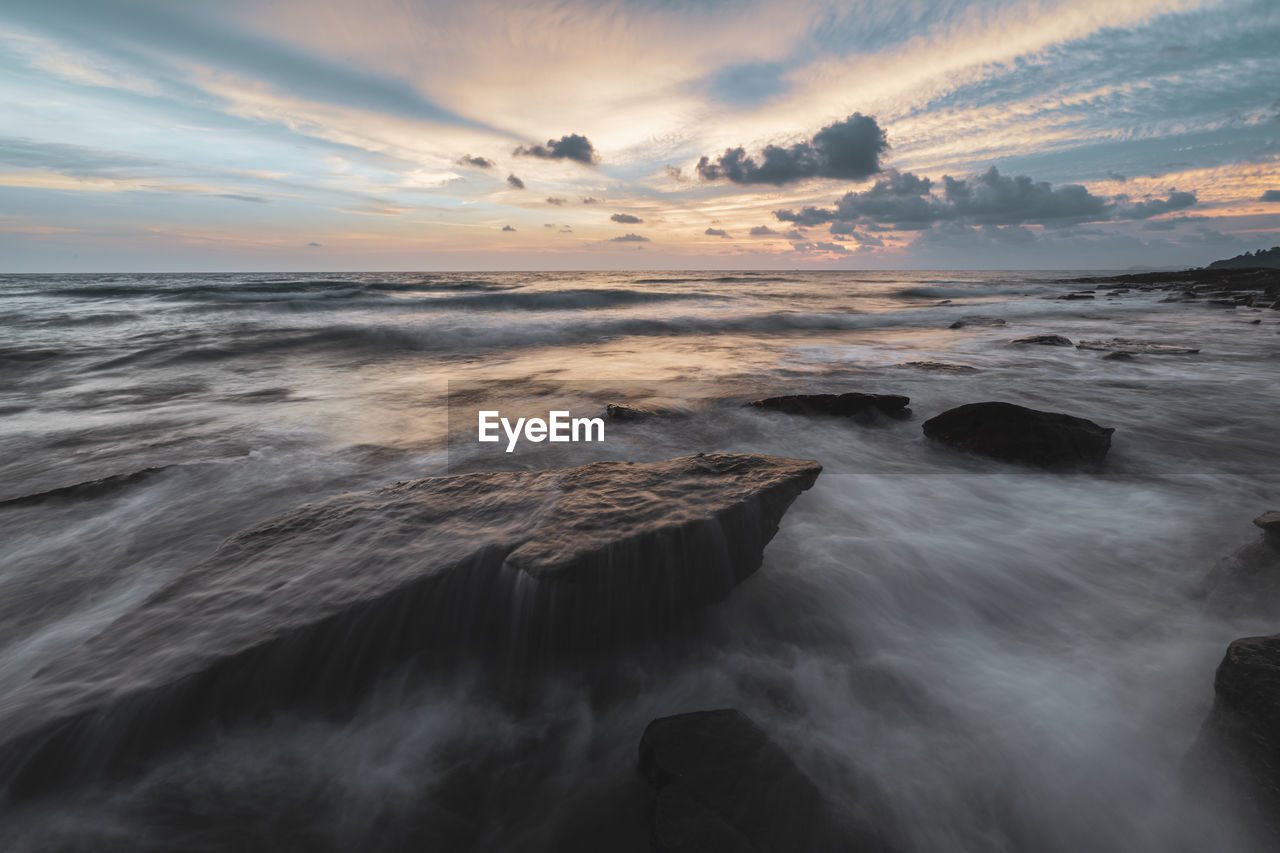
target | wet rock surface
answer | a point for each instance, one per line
(308, 608)
(1013, 433)
(850, 405)
(724, 786)
(1043, 340)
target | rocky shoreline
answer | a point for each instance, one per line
(580, 567)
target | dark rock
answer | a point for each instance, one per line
(1044, 340)
(1076, 296)
(1255, 322)
(1239, 743)
(1137, 347)
(618, 412)
(854, 405)
(1269, 522)
(1017, 434)
(517, 569)
(723, 786)
(976, 321)
(940, 366)
(1118, 355)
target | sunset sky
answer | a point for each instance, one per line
(399, 134)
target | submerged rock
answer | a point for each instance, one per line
(723, 786)
(1136, 347)
(520, 569)
(940, 366)
(1083, 295)
(854, 405)
(1247, 583)
(1017, 434)
(976, 321)
(1044, 340)
(619, 412)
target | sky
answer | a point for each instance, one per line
(169, 135)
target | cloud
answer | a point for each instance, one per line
(630, 238)
(508, 228)
(675, 173)
(849, 150)
(625, 218)
(515, 182)
(1154, 207)
(1270, 195)
(716, 232)
(315, 245)
(557, 201)
(907, 202)
(255, 199)
(761, 231)
(571, 146)
(477, 162)
(819, 246)
(1117, 177)
(589, 200)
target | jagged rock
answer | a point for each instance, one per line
(977, 321)
(517, 569)
(1136, 347)
(1017, 434)
(854, 405)
(723, 786)
(940, 366)
(1044, 340)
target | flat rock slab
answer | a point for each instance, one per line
(940, 366)
(521, 569)
(1043, 340)
(724, 786)
(1015, 433)
(1137, 347)
(850, 405)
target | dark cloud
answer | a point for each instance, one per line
(477, 162)
(675, 173)
(1270, 195)
(908, 202)
(507, 228)
(761, 231)
(590, 200)
(1116, 176)
(848, 149)
(630, 238)
(255, 199)
(1154, 207)
(515, 182)
(820, 246)
(625, 218)
(571, 146)
(716, 232)
(557, 201)
(315, 245)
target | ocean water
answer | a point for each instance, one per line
(977, 657)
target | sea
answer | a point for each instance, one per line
(979, 656)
